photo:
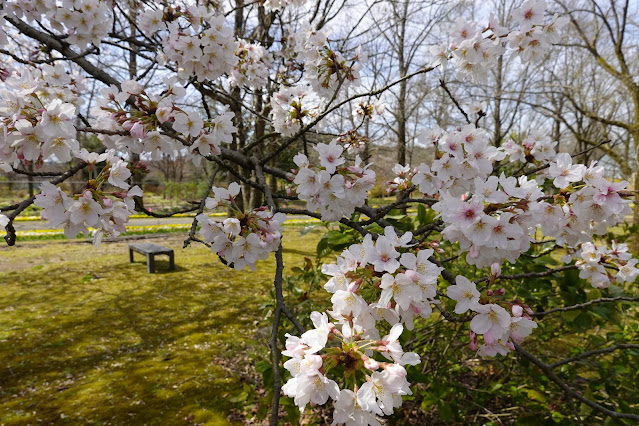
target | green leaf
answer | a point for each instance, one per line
(445, 410)
(421, 215)
(536, 395)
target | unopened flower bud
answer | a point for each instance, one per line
(413, 275)
(495, 269)
(370, 363)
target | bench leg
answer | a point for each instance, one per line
(150, 263)
(130, 255)
(171, 262)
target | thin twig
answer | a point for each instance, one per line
(530, 274)
(586, 304)
(569, 391)
(442, 83)
(591, 353)
(280, 306)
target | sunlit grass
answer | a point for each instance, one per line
(86, 337)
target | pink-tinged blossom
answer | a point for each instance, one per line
(403, 241)
(564, 172)
(188, 124)
(392, 349)
(315, 389)
(521, 327)
(382, 392)
(118, 174)
(294, 347)
(330, 155)
(347, 411)
(385, 256)
(316, 338)
(609, 197)
(468, 213)
(488, 190)
(530, 13)
(56, 120)
(493, 349)
(54, 203)
(491, 318)
(85, 209)
(308, 364)
(517, 310)
(465, 293)
(338, 280)
(347, 304)
(628, 272)
(399, 288)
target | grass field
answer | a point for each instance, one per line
(88, 338)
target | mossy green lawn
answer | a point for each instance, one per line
(86, 337)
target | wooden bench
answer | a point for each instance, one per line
(150, 250)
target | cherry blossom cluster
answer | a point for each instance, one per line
(503, 214)
(242, 238)
(107, 212)
(144, 125)
(83, 22)
(352, 347)
(294, 107)
(335, 189)
(474, 49)
(36, 112)
(353, 141)
(252, 68)
(587, 204)
(535, 148)
(380, 284)
(368, 109)
(462, 156)
(198, 41)
(494, 218)
(599, 263)
(327, 69)
(491, 320)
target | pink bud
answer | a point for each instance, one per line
(107, 202)
(489, 338)
(489, 292)
(495, 269)
(500, 292)
(355, 285)
(371, 364)
(517, 310)
(137, 130)
(413, 275)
